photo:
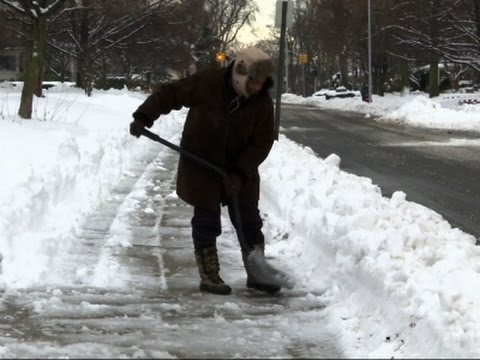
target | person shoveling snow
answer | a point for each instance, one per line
(229, 125)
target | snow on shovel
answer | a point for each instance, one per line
(263, 272)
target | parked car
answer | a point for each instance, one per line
(341, 92)
(322, 92)
(467, 87)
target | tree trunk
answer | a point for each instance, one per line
(42, 47)
(80, 69)
(380, 68)
(434, 84)
(34, 70)
(379, 81)
(344, 69)
(476, 15)
(83, 50)
(405, 76)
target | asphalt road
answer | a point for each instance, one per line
(423, 163)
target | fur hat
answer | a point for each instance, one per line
(250, 63)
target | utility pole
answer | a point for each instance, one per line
(281, 65)
(303, 59)
(303, 75)
(369, 52)
(287, 88)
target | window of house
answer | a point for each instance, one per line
(7, 63)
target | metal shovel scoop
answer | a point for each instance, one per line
(262, 271)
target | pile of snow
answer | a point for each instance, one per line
(393, 271)
(448, 111)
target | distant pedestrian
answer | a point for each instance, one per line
(364, 92)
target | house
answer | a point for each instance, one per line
(11, 64)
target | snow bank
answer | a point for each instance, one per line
(389, 266)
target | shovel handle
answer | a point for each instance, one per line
(267, 274)
(185, 153)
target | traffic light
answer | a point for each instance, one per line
(220, 56)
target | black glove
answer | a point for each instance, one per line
(136, 128)
(141, 121)
(232, 184)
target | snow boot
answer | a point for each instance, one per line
(251, 283)
(209, 268)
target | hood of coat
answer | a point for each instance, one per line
(251, 63)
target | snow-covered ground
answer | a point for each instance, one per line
(397, 278)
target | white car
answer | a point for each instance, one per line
(342, 92)
(323, 92)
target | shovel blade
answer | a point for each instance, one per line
(266, 274)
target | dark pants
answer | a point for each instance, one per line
(206, 225)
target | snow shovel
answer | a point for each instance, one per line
(261, 270)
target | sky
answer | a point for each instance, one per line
(397, 279)
(259, 29)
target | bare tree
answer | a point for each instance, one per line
(218, 23)
(330, 32)
(37, 15)
(463, 18)
(7, 36)
(383, 14)
(333, 19)
(156, 37)
(302, 40)
(439, 31)
(99, 28)
(405, 32)
(227, 17)
(422, 26)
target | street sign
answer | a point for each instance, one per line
(303, 58)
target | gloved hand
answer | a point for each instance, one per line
(232, 184)
(137, 125)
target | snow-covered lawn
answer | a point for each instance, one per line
(398, 279)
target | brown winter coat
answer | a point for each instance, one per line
(237, 142)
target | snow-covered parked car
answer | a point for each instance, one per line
(467, 87)
(322, 92)
(341, 92)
